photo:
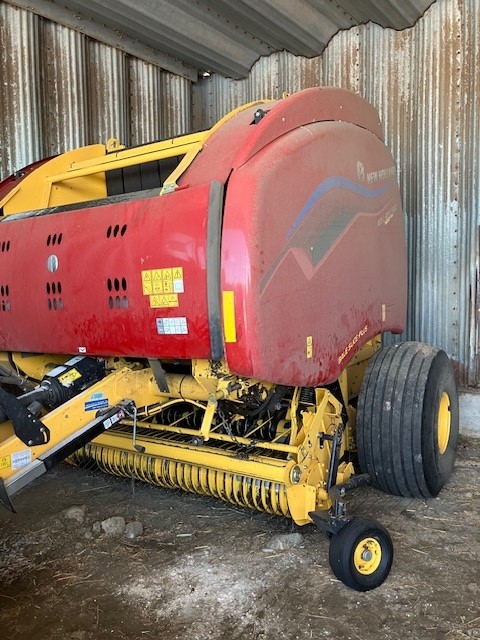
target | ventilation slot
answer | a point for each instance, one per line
(5, 246)
(117, 288)
(117, 230)
(54, 291)
(54, 239)
(4, 295)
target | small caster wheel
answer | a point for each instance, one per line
(361, 554)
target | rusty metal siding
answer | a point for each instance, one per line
(468, 110)
(61, 89)
(225, 36)
(270, 78)
(426, 85)
(145, 110)
(108, 93)
(175, 98)
(21, 123)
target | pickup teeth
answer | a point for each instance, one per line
(240, 490)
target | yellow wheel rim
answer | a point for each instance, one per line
(367, 556)
(443, 423)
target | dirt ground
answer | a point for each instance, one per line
(200, 570)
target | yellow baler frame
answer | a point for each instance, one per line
(286, 477)
(79, 175)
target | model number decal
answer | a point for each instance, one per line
(352, 343)
(21, 459)
(96, 401)
(385, 219)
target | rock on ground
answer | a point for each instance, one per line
(284, 541)
(113, 526)
(133, 529)
(76, 513)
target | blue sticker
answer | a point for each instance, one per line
(93, 405)
(97, 395)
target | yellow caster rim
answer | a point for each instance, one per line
(367, 556)
(443, 423)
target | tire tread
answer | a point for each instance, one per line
(390, 417)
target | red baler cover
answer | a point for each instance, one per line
(298, 217)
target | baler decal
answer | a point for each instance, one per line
(172, 326)
(162, 286)
(314, 248)
(335, 182)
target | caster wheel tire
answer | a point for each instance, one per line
(361, 554)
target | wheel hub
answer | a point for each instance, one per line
(443, 423)
(367, 556)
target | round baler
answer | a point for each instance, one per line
(204, 313)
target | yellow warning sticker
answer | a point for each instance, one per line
(70, 376)
(156, 274)
(5, 462)
(157, 302)
(162, 286)
(309, 346)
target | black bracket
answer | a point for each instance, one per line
(338, 491)
(331, 522)
(102, 422)
(259, 115)
(336, 440)
(159, 374)
(327, 523)
(29, 429)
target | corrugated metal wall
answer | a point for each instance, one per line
(426, 84)
(60, 90)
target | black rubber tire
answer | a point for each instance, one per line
(397, 416)
(342, 554)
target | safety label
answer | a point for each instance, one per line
(21, 459)
(170, 300)
(163, 286)
(94, 405)
(4, 462)
(172, 326)
(69, 377)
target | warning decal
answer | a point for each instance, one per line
(170, 300)
(172, 326)
(68, 378)
(163, 286)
